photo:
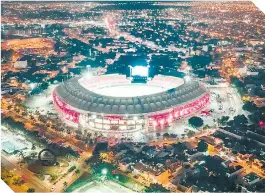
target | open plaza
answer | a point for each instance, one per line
(224, 100)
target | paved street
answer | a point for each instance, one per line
(36, 183)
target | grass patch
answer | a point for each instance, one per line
(62, 161)
(37, 168)
(81, 181)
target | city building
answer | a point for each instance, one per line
(20, 64)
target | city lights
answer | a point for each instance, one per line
(104, 171)
(132, 96)
(32, 85)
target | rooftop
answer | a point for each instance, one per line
(81, 98)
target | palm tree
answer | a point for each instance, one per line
(65, 184)
(30, 190)
(41, 172)
(219, 121)
(33, 146)
(88, 135)
(224, 119)
(21, 154)
(18, 181)
(206, 127)
(190, 133)
(33, 155)
(68, 131)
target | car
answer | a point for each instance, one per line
(24, 178)
(53, 188)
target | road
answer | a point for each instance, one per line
(50, 133)
(247, 168)
(38, 184)
(72, 176)
(172, 141)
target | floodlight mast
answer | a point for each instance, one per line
(130, 70)
(133, 69)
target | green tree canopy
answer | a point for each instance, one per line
(202, 146)
(196, 122)
(30, 190)
(156, 188)
(249, 106)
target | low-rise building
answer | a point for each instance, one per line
(251, 180)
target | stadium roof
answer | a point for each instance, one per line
(77, 96)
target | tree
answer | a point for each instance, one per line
(240, 120)
(249, 106)
(30, 190)
(156, 188)
(18, 181)
(206, 127)
(21, 154)
(256, 117)
(88, 135)
(263, 51)
(165, 135)
(224, 119)
(196, 122)
(202, 146)
(236, 82)
(65, 184)
(33, 146)
(90, 142)
(6, 180)
(72, 168)
(190, 133)
(77, 171)
(41, 172)
(33, 155)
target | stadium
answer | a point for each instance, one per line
(117, 103)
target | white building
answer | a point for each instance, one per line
(21, 64)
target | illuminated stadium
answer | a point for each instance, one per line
(114, 103)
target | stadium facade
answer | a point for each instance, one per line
(113, 103)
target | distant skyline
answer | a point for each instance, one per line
(132, 0)
(124, 92)
(259, 3)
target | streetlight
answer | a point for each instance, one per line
(104, 171)
(32, 86)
